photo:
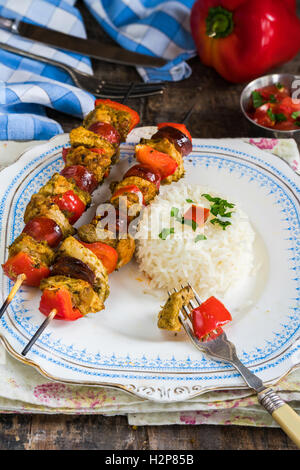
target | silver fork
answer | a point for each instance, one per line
(99, 88)
(222, 349)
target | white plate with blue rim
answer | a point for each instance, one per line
(121, 346)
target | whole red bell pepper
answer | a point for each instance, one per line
(242, 39)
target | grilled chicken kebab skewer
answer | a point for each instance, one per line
(51, 212)
(79, 282)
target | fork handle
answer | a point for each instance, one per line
(282, 413)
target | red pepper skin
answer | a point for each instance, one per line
(106, 253)
(158, 161)
(260, 35)
(131, 188)
(83, 178)
(65, 152)
(71, 205)
(22, 263)
(209, 316)
(61, 301)
(135, 119)
(198, 214)
(44, 229)
(107, 131)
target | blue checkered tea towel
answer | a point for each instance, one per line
(155, 27)
(26, 85)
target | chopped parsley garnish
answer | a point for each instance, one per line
(295, 115)
(166, 232)
(189, 200)
(174, 212)
(271, 115)
(280, 117)
(279, 86)
(220, 222)
(257, 99)
(190, 222)
(273, 99)
(200, 237)
(218, 208)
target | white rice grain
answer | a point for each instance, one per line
(213, 265)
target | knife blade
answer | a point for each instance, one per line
(86, 47)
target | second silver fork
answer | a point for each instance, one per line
(95, 86)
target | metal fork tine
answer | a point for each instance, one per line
(141, 88)
(121, 95)
(137, 85)
(195, 294)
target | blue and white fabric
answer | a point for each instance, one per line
(154, 27)
(27, 86)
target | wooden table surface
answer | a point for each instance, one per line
(216, 115)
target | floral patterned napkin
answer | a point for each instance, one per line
(24, 390)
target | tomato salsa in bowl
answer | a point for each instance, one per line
(272, 102)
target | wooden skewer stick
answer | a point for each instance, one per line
(54, 311)
(20, 279)
(188, 115)
(39, 332)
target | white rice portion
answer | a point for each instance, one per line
(212, 266)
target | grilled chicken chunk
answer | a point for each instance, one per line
(168, 316)
(39, 251)
(117, 118)
(96, 163)
(82, 294)
(125, 248)
(83, 137)
(148, 189)
(57, 185)
(71, 247)
(45, 208)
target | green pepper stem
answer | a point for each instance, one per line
(219, 23)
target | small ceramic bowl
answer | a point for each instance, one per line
(290, 81)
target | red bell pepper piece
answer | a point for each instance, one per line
(209, 317)
(106, 253)
(242, 39)
(107, 131)
(44, 229)
(135, 118)
(158, 161)
(180, 127)
(198, 214)
(82, 177)
(61, 301)
(131, 188)
(70, 204)
(22, 263)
